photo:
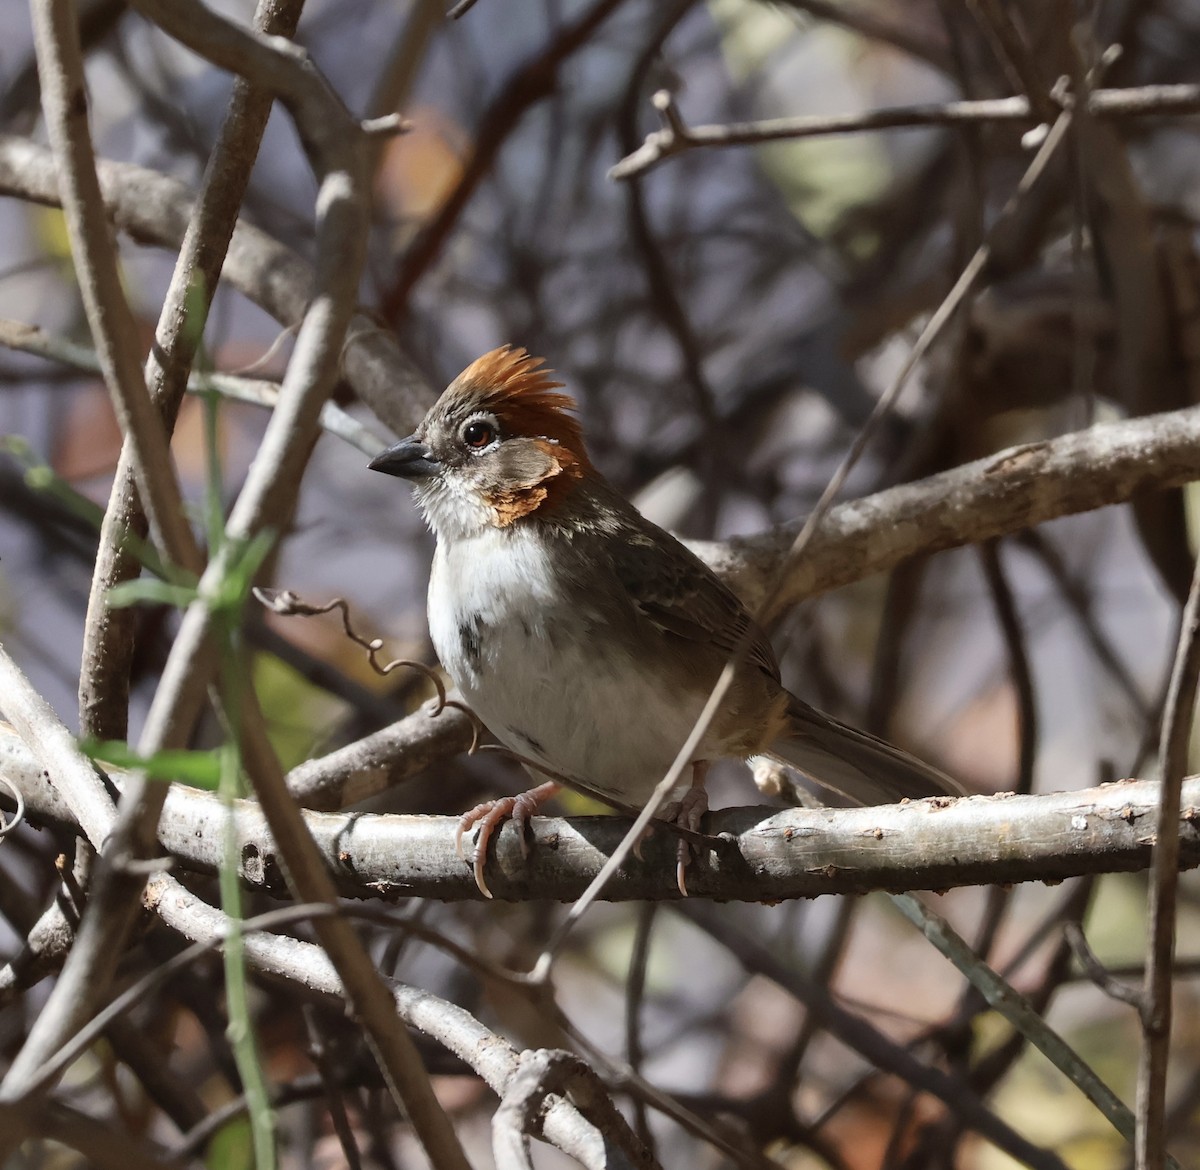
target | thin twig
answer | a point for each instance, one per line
(307, 966)
(1079, 600)
(1096, 971)
(635, 991)
(155, 209)
(878, 23)
(108, 646)
(1019, 667)
(235, 387)
(999, 495)
(665, 297)
(864, 1038)
(141, 989)
(319, 1053)
(532, 81)
(675, 137)
(399, 72)
(1150, 1147)
(52, 750)
(334, 144)
(310, 881)
(1015, 1008)
(1014, 55)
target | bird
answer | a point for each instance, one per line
(588, 639)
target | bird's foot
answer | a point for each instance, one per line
(490, 815)
(687, 812)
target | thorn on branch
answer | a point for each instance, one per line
(673, 138)
(664, 102)
(73, 902)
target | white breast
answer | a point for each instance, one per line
(538, 670)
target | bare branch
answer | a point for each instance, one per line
(336, 151)
(64, 99)
(235, 387)
(108, 633)
(51, 749)
(1019, 1012)
(999, 495)
(387, 758)
(861, 1036)
(1013, 54)
(306, 965)
(757, 854)
(529, 84)
(309, 879)
(1096, 971)
(1174, 746)
(675, 137)
(155, 209)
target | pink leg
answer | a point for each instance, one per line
(688, 812)
(490, 815)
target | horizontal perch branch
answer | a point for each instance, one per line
(760, 854)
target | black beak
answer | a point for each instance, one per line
(409, 459)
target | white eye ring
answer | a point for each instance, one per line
(479, 433)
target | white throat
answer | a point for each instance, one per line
(452, 508)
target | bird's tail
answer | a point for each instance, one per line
(860, 766)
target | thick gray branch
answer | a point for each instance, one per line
(996, 496)
(765, 854)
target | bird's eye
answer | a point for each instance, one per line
(478, 433)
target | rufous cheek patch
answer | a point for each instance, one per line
(512, 503)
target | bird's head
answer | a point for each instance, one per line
(497, 446)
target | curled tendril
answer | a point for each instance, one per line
(11, 822)
(289, 604)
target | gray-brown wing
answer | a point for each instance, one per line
(674, 589)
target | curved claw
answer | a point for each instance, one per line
(477, 867)
(688, 812)
(489, 816)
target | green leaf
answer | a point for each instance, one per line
(198, 769)
(235, 585)
(231, 1147)
(154, 592)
